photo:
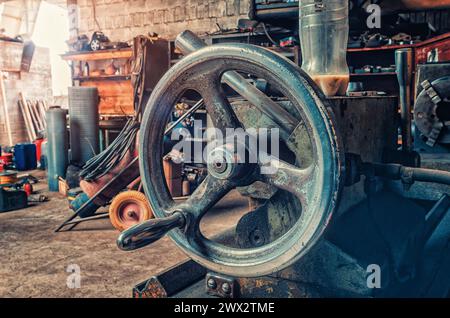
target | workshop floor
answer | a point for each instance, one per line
(34, 259)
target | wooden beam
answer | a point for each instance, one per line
(33, 116)
(25, 119)
(41, 107)
(27, 116)
(34, 108)
(5, 109)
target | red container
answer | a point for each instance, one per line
(6, 159)
(38, 143)
(28, 188)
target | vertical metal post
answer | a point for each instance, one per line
(404, 65)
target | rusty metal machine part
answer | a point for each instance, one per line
(432, 111)
(316, 184)
(171, 281)
(221, 286)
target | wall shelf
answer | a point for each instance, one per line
(380, 48)
(124, 53)
(115, 91)
(102, 77)
(374, 74)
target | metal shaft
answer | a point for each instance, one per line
(187, 42)
(403, 62)
(398, 172)
(188, 113)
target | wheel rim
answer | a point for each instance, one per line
(202, 72)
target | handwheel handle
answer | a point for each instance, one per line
(149, 231)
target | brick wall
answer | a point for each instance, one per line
(36, 84)
(124, 19)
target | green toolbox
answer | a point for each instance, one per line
(12, 199)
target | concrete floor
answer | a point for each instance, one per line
(34, 259)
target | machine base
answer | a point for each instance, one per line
(386, 246)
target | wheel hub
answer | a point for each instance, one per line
(129, 208)
(229, 162)
(130, 213)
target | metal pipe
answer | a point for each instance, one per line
(404, 62)
(188, 113)
(280, 14)
(187, 42)
(429, 175)
(57, 146)
(408, 174)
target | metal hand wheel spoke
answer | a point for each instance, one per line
(316, 182)
(290, 178)
(217, 104)
(207, 194)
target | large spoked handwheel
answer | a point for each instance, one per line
(315, 180)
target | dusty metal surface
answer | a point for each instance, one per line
(368, 126)
(360, 121)
(408, 244)
(170, 281)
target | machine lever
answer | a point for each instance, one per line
(149, 231)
